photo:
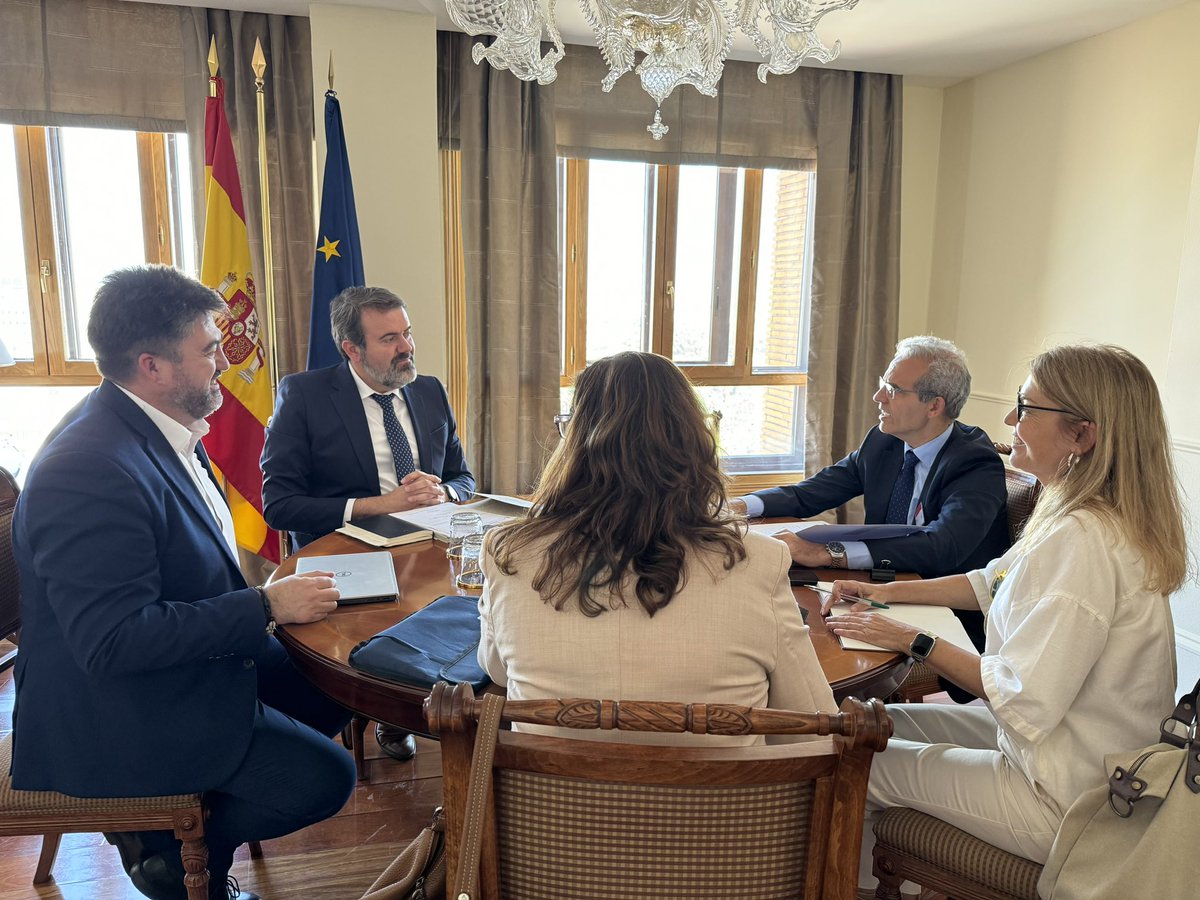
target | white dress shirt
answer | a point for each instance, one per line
(384, 461)
(183, 440)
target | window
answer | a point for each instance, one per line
(76, 203)
(711, 267)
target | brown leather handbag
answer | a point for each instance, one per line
(1132, 836)
(419, 872)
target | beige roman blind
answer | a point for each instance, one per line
(98, 63)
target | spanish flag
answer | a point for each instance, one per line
(235, 439)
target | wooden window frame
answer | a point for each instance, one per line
(51, 364)
(740, 371)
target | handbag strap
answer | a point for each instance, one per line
(1184, 715)
(478, 788)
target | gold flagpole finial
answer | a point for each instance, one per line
(213, 66)
(331, 70)
(258, 62)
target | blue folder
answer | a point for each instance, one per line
(437, 643)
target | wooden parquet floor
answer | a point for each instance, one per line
(333, 860)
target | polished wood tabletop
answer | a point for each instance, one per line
(423, 572)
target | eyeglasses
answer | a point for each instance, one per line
(1022, 406)
(893, 390)
(561, 421)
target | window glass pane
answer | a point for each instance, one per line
(761, 427)
(99, 218)
(29, 415)
(15, 329)
(620, 250)
(784, 272)
(708, 239)
(183, 221)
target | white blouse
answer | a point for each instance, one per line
(1080, 657)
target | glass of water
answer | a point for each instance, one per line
(461, 525)
(470, 575)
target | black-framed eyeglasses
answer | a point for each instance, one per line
(892, 389)
(561, 421)
(1022, 406)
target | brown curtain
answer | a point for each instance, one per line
(286, 43)
(505, 130)
(91, 63)
(856, 261)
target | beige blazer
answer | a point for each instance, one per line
(727, 637)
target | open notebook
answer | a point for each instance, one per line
(937, 620)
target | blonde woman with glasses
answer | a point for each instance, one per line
(1080, 653)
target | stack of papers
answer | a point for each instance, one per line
(494, 509)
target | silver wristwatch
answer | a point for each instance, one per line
(837, 550)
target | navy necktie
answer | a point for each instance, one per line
(897, 513)
(401, 451)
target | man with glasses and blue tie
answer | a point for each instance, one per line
(918, 466)
(366, 437)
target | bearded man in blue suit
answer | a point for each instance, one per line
(366, 437)
(148, 666)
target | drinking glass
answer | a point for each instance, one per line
(461, 525)
(470, 575)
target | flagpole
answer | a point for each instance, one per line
(259, 64)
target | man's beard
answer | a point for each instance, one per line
(199, 403)
(394, 376)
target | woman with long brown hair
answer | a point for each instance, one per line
(630, 579)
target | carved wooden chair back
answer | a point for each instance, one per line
(1023, 491)
(569, 817)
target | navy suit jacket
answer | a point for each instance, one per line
(964, 501)
(139, 637)
(318, 452)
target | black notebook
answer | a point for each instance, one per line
(385, 531)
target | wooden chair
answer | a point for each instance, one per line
(912, 846)
(52, 815)
(585, 819)
(10, 610)
(1022, 491)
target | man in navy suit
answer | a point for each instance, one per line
(366, 437)
(147, 665)
(919, 466)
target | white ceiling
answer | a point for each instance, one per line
(935, 42)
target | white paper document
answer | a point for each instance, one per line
(493, 509)
(823, 532)
(937, 620)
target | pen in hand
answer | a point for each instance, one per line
(874, 604)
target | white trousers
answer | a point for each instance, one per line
(944, 761)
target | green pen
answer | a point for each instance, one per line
(874, 604)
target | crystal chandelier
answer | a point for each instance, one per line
(679, 41)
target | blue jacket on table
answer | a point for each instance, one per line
(964, 501)
(139, 637)
(318, 451)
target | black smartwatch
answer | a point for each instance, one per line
(837, 550)
(922, 646)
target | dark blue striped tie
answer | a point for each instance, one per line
(897, 513)
(401, 451)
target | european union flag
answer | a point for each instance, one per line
(339, 253)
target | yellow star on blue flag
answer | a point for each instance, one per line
(329, 248)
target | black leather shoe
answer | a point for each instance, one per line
(229, 889)
(158, 879)
(395, 742)
(134, 846)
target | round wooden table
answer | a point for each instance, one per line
(424, 573)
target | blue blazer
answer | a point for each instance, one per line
(964, 501)
(318, 451)
(139, 637)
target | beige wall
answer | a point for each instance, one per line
(385, 66)
(918, 196)
(1068, 208)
